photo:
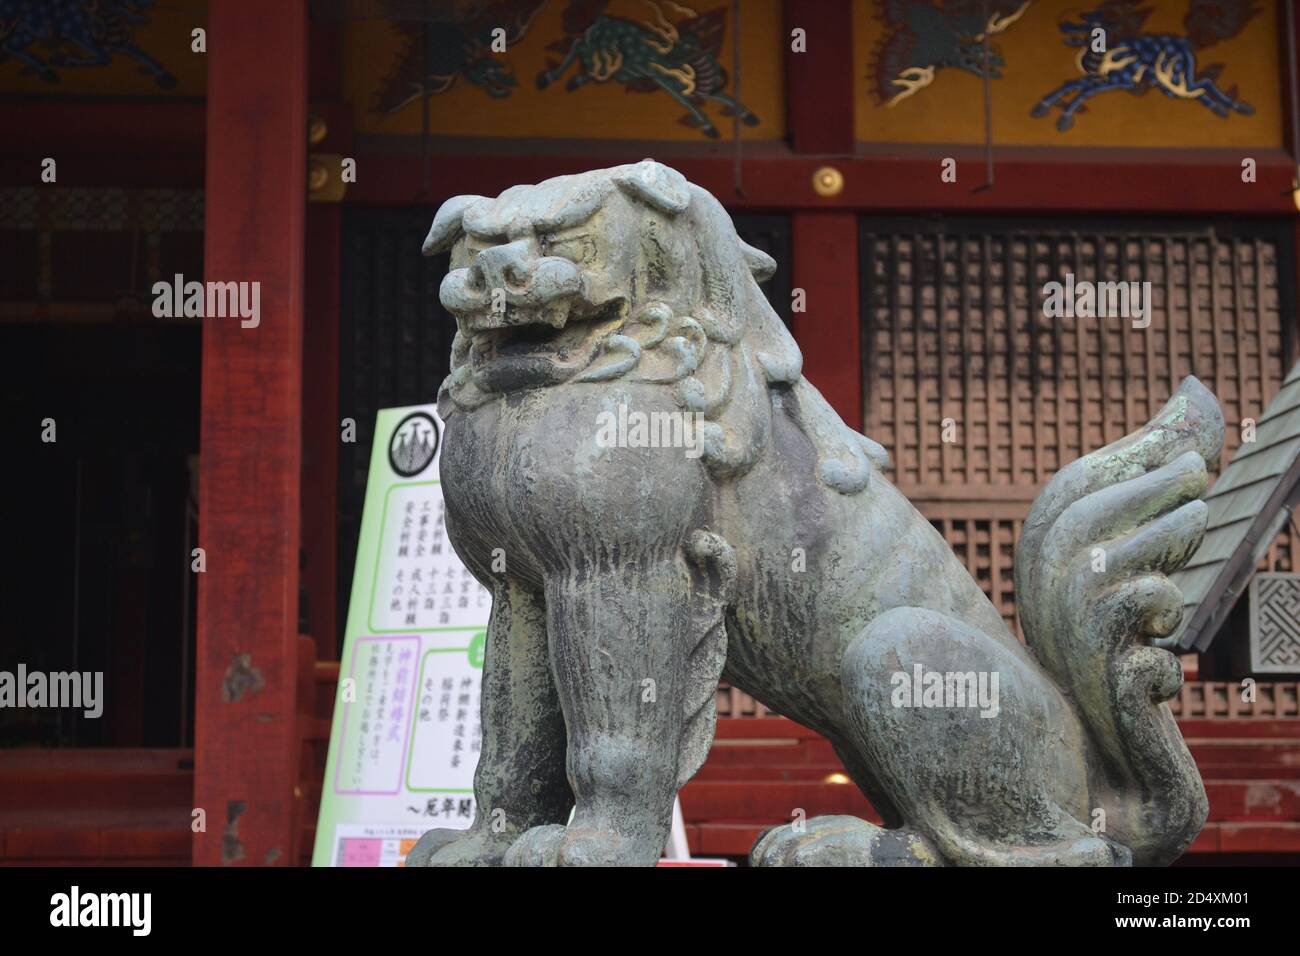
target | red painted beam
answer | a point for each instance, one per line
(824, 246)
(131, 145)
(1035, 181)
(246, 748)
(819, 81)
(97, 127)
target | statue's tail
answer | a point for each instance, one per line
(1092, 590)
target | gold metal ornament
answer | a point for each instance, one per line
(828, 181)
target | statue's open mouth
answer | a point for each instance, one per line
(535, 347)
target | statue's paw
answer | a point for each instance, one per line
(458, 848)
(580, 845)
(842, 841)
(539, 846)
(601, 846)
(431, 843)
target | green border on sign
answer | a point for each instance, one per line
(410, 752)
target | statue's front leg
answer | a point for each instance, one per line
(520, 781)
(618, 645)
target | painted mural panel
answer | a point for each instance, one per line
(1175, 73)
(609, 69)
(104, 48)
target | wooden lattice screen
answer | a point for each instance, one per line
(954, 329)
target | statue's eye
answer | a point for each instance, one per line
(574, 248)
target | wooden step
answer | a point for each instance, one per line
(1230, 800)
(736, 839)
(107, 806)
(1279, 729)
(80, 790)
(769, 773)
(90, 843)
(771, 801)
(1254, 800)
(1233, 837)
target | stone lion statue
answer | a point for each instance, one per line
(628, 577)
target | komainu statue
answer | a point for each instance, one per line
(753, 537)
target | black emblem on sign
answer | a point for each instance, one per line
(413, 445)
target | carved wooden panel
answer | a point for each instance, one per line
(1275, 623)
(980, 397)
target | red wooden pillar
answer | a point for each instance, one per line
(825, 248)
(251, 435)
(824, 243)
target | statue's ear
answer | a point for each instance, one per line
(446, 228)
(656, 185)
(761, 265)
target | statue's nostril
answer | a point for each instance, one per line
(475, 279)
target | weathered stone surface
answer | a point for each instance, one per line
(766, 547)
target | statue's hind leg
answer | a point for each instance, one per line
(975, 748)
(978, 753)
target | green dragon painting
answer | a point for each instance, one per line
(655, 54)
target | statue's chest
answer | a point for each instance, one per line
(557, 471)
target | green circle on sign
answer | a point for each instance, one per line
(477, 645)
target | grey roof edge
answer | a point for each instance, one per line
(1199, 631)
(1199, 628)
